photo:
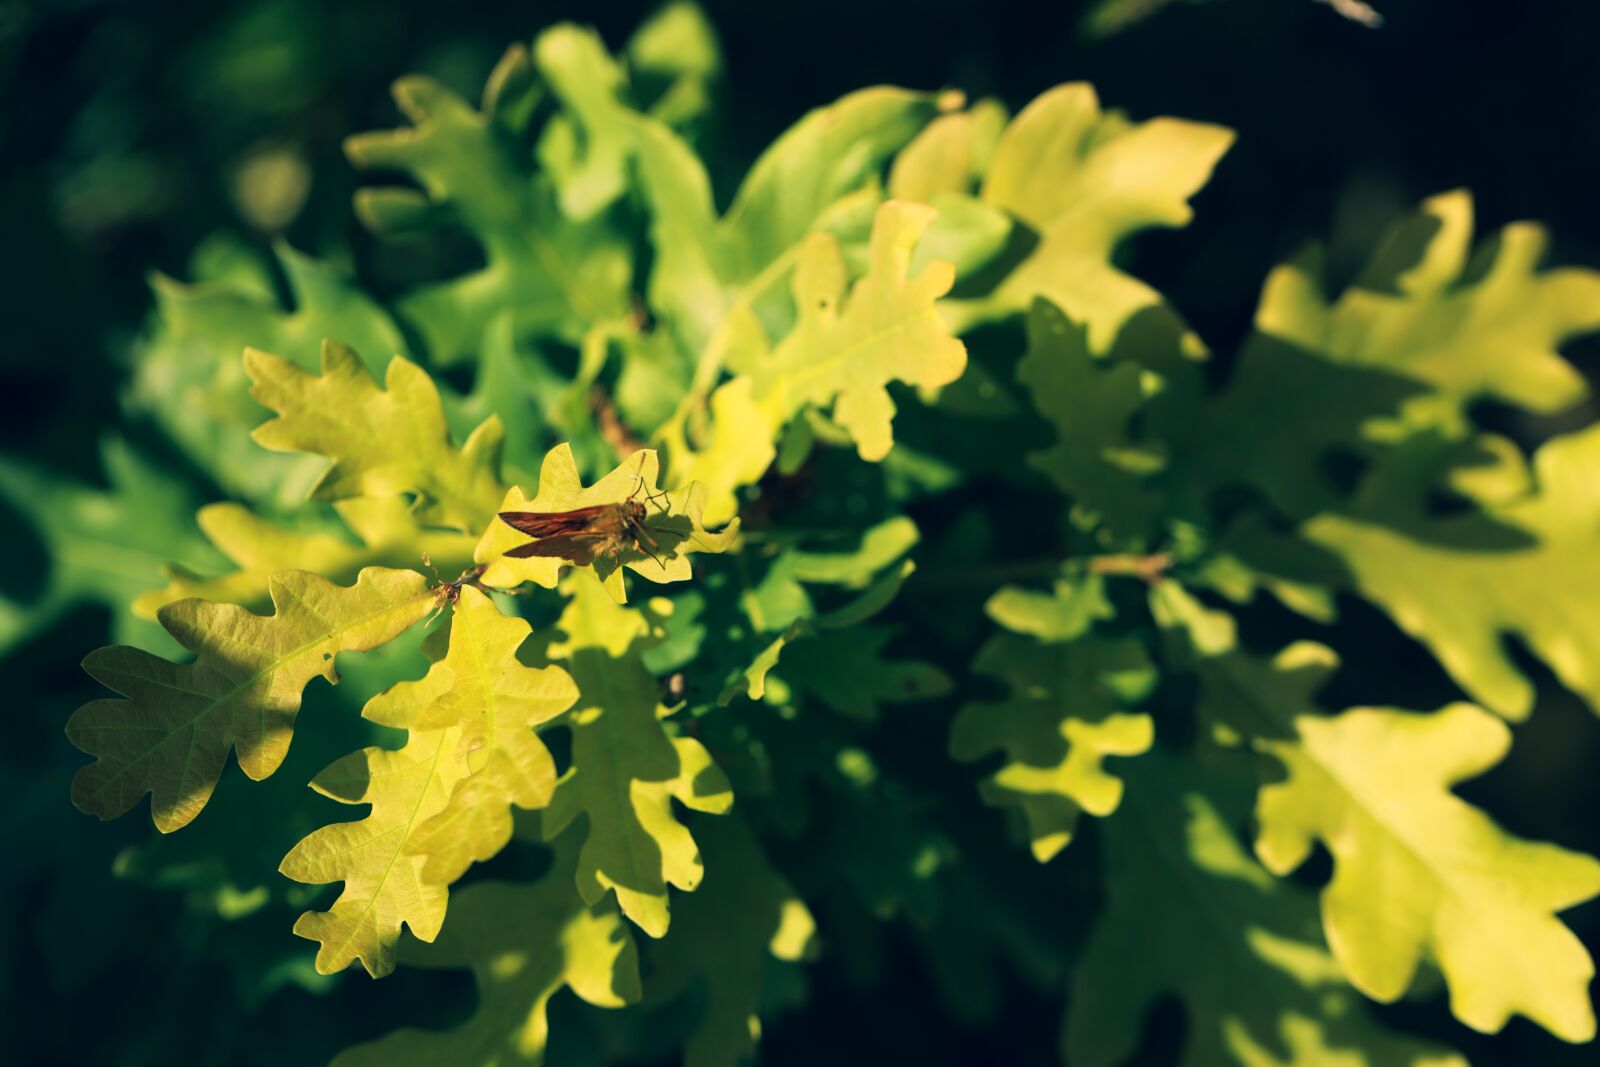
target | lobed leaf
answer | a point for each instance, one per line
(104, 546)
(523, 943)
(386, 528)
(711, 271)
(843, 352)
(1090, 402)
(439, 803)
(381, 441)
(497, 703)
(557, 276)
(1417, 869)
(626, 769)
(675, 520)
(1191, 914)
(187, 374)
(385, 886)
(172, 734)
(1522, 564)
(1083, 181)
(1470, 324)
(726, 935)
(1063, 718)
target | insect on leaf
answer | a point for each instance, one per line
(673, 520)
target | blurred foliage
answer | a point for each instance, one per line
(193, 158)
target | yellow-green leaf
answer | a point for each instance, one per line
(381, 441)
(1419, 870)
(384, 884)
(1190, 914)
(496, 703)
(171, 736)
(523, 943)
(1525, 565)
(441, 802)
(386, 529)
(1064, 717)
(674, 519)
(843, 351)
(1468, 323)
(1084, 181)
(626, 769)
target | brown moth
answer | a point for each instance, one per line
(583, 535)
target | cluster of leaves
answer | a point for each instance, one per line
(909, 329)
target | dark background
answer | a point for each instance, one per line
(123, 127)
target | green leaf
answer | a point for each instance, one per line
(626, 769)
(1469, 324)
(586, 149)
(1065, 715)
(762, 617)
(439, 803)
(847, 670)
(187, 373)
(1090, 403)
(104, 546)
(1417, 869)
(1241, 950)
(726, 934)
(675, 59)
(523, 943)
(230, 874)
(384, 885)
(1064, 614)
(780, 598)
(950, 155)
(715, 280)
(381, 441)
(171, 736)
(386, 529)
(1523, 565)
(497, 703)
(842, 352)
(1428, 328)
(674, 519)
(558, 276)
(710, 271)
(1084, 181)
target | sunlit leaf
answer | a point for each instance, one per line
(1191, 914)
(1066, 714)
(556, 275)
(1083, 181)
(172, 734)
(523, 944)
(673, 519)
(381, 440)
(626, 769)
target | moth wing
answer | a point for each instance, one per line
(580, 548)
(551, 523)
